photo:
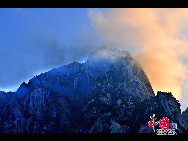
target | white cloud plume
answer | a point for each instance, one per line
(154, 36)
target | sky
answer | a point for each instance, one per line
(35, 40)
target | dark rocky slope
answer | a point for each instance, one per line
(108, 93)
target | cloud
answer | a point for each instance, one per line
(154, 37)
(40, 53)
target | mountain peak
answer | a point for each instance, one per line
(108, 53)
(109, 93)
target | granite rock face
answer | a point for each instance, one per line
(109, 93)
(185, 119)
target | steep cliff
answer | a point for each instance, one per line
(108, 93)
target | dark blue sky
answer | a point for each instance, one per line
(36, 40)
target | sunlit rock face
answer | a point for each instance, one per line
(109, 93)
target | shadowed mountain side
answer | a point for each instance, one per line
(108, 93)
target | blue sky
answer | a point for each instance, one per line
(61, 22)
(33, 40)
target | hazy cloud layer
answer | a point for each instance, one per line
(154, 36)
(40, 53)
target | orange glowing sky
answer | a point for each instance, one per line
(154, 36)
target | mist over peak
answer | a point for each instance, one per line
(109, 91)
(156, 37)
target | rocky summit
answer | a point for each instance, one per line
(109, 93)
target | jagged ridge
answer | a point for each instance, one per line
(108, 93)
